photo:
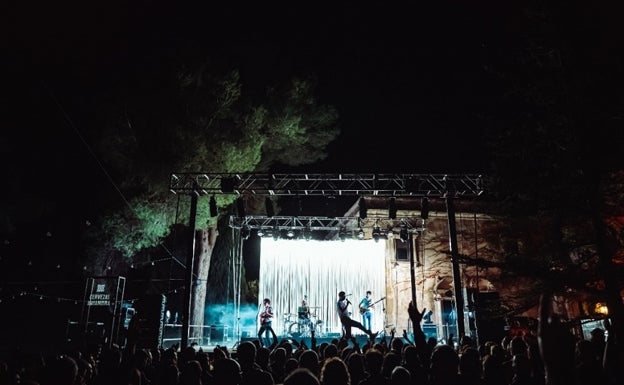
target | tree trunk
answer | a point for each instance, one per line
(204, 244)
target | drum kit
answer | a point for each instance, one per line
(301, 326)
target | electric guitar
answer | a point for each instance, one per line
(365, 309)
(265, 316)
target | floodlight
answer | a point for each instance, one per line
(363, 209)
(392, 209)
(376, 233)
(213, 207)
(342, 234)
(245, 232)
(403, 234)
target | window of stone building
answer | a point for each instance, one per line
(401, 250)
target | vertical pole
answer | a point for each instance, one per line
(412, 270)
(457, 288)
(86, 308)
(239, 279)
(190, 256)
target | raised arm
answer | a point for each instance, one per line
(420, 340)
(556, 345)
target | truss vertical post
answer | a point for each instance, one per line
(190, 256)
(457, 287)
(410, 250)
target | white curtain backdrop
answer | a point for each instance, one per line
(290, 269)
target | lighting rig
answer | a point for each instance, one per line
(395, 185)
(301, 185)
(293, 227)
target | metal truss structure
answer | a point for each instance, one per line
(389, 185)
(414, 185)
(312, 223)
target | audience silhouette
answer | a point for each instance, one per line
(550, 355)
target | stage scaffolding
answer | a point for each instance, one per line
(446, 186)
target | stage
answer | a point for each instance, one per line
(209, 344)
(232, 345)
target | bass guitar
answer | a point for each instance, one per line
(365, 309)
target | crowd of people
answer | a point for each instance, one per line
(550, 355)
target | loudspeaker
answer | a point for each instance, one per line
(218, 333)
(151, 312)
(489, 319)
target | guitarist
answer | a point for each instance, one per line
(266, 315)
(366, 309)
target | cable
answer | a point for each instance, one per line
(90, 150)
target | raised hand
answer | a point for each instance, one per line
(415, 315)
(556, 344)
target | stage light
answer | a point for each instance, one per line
(413, 184)
(228, 184)
(260, 232)
(403, 233)
(392, 210)
(290, 233)
(268, 204)
(424, 208)
(276, 234)
(245, 232)
(376, 233)
(342, 234)
(363, 209)
(307, 233)
(213, 207)
(360, 233)
(240, 207)
(390, 233)
(331, 206)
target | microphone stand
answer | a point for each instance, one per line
(240, 334)
(385, 320)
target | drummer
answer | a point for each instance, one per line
(303, 312)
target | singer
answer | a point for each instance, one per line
(342, 306)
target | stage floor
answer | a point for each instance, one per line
(223, 335)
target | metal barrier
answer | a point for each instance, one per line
(203, 335)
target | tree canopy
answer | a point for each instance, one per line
(199, 119)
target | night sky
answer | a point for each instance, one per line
(408, 82)
(413, 82)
